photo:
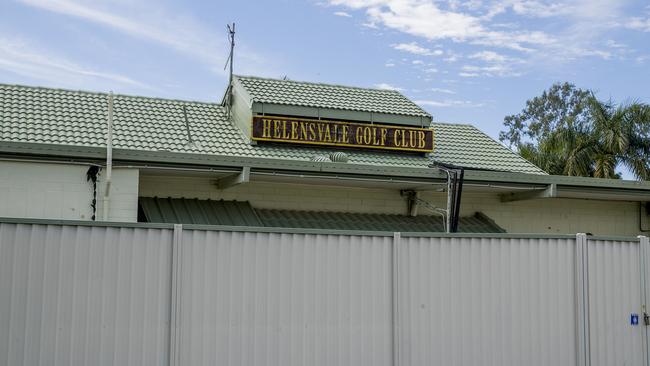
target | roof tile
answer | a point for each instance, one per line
(55, 116)
(317, 95)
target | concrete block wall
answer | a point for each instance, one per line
(279, 196)
(567, 216)
(558, 215)
(61, 191)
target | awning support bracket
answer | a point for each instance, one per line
(549, 192)
(235, 179)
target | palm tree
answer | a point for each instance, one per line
(620, 137)
(614, 135)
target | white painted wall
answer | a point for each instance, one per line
(566, 216)
(60, 191)
(123, 206)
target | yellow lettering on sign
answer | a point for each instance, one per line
(328, 134)
(266, 127)
(367, 135)
(358, 135)
(276, 129)
(285, 130)
(294, 130)
(341, 133)
(346, 138)
(375, 138)
(303, 131)
(312, 132)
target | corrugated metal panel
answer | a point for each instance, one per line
(615, 294)
(473, 301)
(479, 223)
(201, 212)
(285, 299)
(81, 295)
(239, 213)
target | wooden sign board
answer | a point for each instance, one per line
(336, 133)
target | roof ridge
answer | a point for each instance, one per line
(318, 83)
(98, 93)
(454, 124)
(378, 90)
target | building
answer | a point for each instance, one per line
(283, 153)
(279, 166)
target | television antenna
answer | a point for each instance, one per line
(229, 61)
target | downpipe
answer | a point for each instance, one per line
(109, 160)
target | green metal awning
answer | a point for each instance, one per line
(478, 223)
(240, 213)
(201, 212)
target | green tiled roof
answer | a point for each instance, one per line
(74, 118)
(238, 213)
(317, 95)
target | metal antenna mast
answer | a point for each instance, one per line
(229, 60)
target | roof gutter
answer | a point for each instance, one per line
(607, 188)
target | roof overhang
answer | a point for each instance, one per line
(578, 192)
(515, 186)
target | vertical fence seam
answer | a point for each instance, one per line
(586, 298)
(643, 250)
(175, 296)
(582, 301)
(395, 328)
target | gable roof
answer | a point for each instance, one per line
(300, 93)
(33, 116)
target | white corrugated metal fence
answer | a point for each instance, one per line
(163, 295)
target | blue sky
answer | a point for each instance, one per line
(463, 61)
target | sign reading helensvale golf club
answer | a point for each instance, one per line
(336, 133)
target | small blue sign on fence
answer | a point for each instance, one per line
(634, 319)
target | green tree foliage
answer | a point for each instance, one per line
(568, 131)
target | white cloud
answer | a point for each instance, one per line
(428, 20)
(416, 49)
(389, 64)
(19, 57)
(491, 70)
(642, 59)
(577, 27)
(386, 86)
(449, 103)
(540, 9)
(431, 70)
(444, 91)
(182, 33)
(489, 56)
(417, 62)
(453, 57)
(342, 14)
(639, 24)
(613, 44)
